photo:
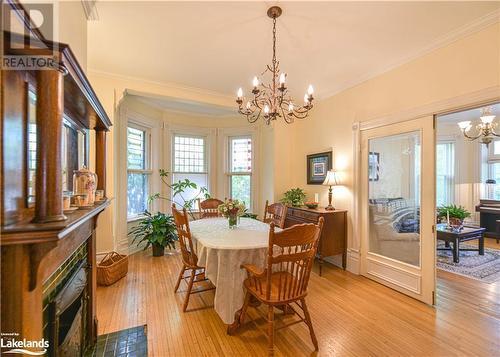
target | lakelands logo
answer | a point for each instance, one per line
(10, 343)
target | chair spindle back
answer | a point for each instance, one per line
(275, 213)
(189, 257)
(209, 208)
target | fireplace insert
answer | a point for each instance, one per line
(67, 313)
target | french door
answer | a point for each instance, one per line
(398, 207)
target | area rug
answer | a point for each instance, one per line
(485, 268)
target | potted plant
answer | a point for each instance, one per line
(294, 197)
(453, 215)
(156, 230)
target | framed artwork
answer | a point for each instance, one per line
(317, 167)
(373, 166)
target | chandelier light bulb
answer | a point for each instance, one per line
(240, 92)
(310, 90)
(487, 119)
(282, 78)
(464, 125)
(249, 105)
(290, 107)
(266, 109)
(255, 82)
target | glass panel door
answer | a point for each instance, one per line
(397, 207)
(394, 196)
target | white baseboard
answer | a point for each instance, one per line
(353, 261)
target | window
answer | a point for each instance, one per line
(240, 169)
(138, 170)
(493, 190)
(190, 162)
(445, 173)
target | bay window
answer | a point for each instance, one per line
(240, 169)
(190, 162)
(138, 169)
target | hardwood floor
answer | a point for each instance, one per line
(352, 316)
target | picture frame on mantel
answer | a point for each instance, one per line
(317, 167)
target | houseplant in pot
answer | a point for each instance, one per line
(453, 215)
(294, 197)
(156, 230)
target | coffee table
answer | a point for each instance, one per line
(467, 233)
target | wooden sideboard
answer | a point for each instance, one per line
(333, 238)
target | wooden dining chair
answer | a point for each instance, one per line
(189, 257)
(209, 208)
(284, 281)
(275, 213)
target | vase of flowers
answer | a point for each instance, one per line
(232, 210)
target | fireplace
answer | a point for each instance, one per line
(65, 306)
(66, 314)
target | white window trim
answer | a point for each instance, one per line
(230, 173)
(451, 140)
(224, 142)
(206, 169)
(127, 116)
(210, 134)
(133, 123)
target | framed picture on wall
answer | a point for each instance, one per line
(317, 167)
(373, 166)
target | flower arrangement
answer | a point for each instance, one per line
(232, 209)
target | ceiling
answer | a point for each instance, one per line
(220, 46)
(183, 106)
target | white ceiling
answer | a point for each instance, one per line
(183, 106)
(219, 46)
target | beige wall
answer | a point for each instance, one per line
(465, 66)
(111, 90)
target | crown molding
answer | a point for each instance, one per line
(169, 85)
(453, 36)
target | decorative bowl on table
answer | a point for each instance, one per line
(311, 205)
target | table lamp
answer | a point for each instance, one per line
(331, 179)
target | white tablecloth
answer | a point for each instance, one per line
(222, 250)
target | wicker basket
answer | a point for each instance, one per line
(112, 268)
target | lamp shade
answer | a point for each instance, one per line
(332, 178)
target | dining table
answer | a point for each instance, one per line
(222, 251)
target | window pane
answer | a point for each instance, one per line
(137, 193)
(393, 197)
(241, 155)
(445, 172)
(136, 148)
(494, 190)
(201, 180)
(496, 147)
(241, 188)
(189, 154)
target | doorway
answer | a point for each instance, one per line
(398, 206)
(468, 196)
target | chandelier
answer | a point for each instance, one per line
(484, 130)
(272, 100)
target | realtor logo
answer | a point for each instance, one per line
(10, 343)
(22, 49)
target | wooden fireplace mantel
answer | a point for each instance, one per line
(37, 239)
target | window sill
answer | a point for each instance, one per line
(133, 219)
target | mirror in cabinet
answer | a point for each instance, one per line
(74, 149)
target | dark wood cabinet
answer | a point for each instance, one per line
(333, 240)
(41, 246)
